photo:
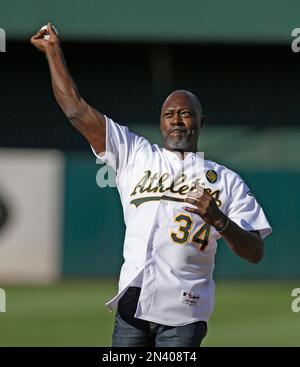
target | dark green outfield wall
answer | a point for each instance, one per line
(94, 227)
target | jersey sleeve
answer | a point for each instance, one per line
(120, 145)
(245, 211)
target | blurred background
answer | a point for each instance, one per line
(61, 235)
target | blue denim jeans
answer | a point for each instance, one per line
(132, 332)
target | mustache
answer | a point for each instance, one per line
(178, 129)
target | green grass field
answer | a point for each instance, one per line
(72, 313)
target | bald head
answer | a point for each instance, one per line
(184, 94)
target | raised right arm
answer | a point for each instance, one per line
(88, 121)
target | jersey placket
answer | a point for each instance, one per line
(149, 277)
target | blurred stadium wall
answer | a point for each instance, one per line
(125, 58)
(31, 187)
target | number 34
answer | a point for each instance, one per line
(199, 238)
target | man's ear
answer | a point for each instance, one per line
(203, 121)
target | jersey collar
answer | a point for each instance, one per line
(174, 155)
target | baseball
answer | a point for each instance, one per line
(47, 36)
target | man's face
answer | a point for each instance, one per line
(180, 122)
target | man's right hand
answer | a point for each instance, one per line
(43, 44)
(87, 120)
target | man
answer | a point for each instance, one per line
(176, 206)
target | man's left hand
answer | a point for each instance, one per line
(206, 207)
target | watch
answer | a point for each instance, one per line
(223, 229)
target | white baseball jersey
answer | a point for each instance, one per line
(168, 251)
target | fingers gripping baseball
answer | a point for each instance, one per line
(205, 205)
(45, 38)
